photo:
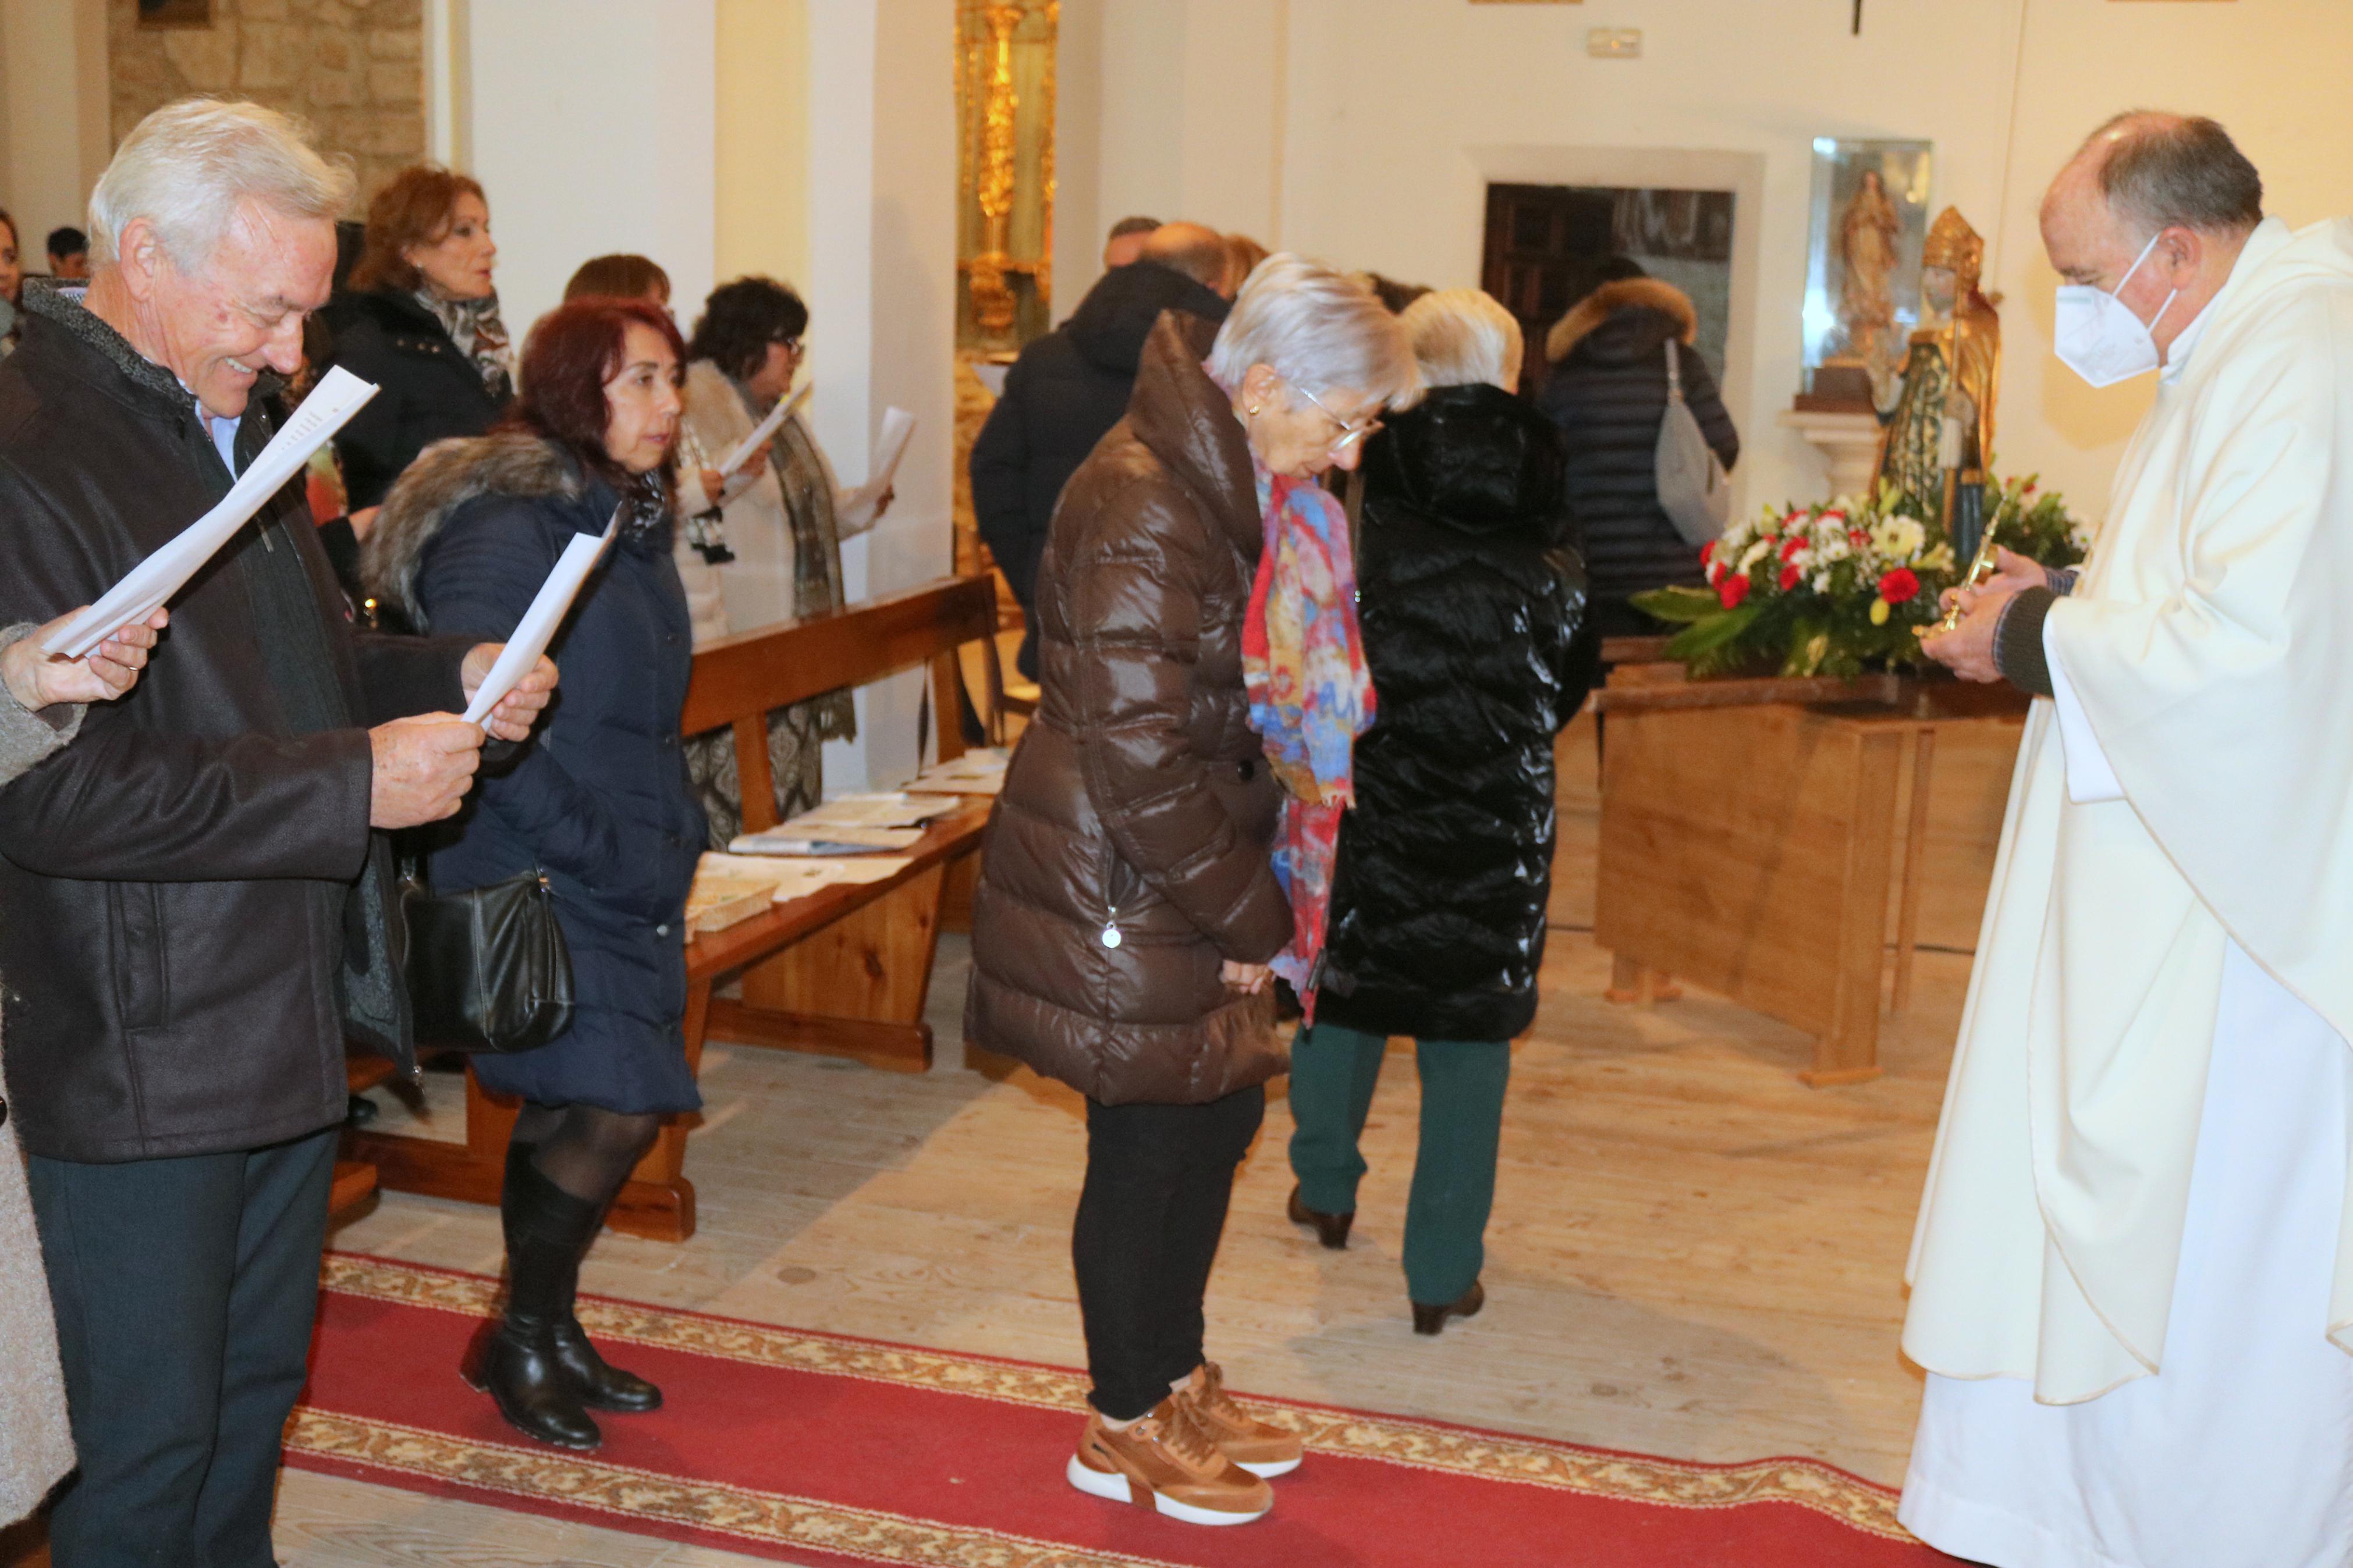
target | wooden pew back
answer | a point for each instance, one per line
(739, 680)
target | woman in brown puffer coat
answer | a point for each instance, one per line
(1127, 906)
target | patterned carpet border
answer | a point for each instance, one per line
(1809, 1484)
(637, 1496)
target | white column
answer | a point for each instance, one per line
(881, 297)
(592, 135)
(55, 131)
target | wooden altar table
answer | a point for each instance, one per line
(1750, 832)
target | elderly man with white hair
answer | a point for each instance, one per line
(2132, 1281)
(194, 897)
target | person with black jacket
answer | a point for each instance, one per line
(1473, 602)
(421, 320)
(197, 893)
(1607, 393)
(1069, 388)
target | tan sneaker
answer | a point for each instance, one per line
(1259, 1447)
(1167, 1462)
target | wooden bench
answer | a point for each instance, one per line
(845, 971)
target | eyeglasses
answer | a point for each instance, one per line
(791, 345)
(1349, 433)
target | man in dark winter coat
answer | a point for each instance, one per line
(197, 909)
(1071, 387)
(1608, 393)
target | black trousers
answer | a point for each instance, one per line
(1158, 1180)
(185, 1292)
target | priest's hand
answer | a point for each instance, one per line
(37, 680)
(518, 709)
(1967, 649)
(2012, 573)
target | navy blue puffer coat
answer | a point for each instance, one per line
(598, 799)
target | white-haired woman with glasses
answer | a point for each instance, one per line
(1474, 602)
(1170, 803)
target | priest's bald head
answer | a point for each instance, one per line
(2154, 209)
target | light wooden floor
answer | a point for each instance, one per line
(1692, 1254)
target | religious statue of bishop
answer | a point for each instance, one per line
(1940, 429)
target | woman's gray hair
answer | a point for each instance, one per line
(1462, 337)
(1319, 330)
(186, 166)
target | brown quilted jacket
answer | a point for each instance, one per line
(1127, 857)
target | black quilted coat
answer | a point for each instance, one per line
(1607, 392)
(1127, 858)
(1473, 606)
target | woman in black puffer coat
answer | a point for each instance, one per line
(1608, 392)
(1473, 602)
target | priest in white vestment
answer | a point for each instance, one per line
(2131, 1287)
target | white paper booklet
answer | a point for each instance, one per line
(825, 841)
(764, 430)
(890, 809)
(537, 628)
(858, 507)
(148, 587)
(981, 772)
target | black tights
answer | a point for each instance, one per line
(586, 1150)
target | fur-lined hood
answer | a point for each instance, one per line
(1628, 294)
(446, 476)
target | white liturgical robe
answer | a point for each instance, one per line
(2164, 986)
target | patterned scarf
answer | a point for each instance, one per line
(480, 334)
(1310, 698)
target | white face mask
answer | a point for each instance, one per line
(2097, 335)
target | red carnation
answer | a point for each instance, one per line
(1857, 538)
(1732, 591)
(1790, 550)
(1790, 578)
(1707, 553)
(1900, 587)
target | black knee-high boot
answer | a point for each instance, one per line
(519, 1365)
(602, 1386)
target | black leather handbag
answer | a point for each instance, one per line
(488, 968)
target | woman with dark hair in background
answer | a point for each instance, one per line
(1607, 393)
(598, 803)
(421, 320)
(763, 546)
(620, 276)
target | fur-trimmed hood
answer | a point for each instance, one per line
(1628, 294)
(446, 476)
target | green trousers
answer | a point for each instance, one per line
(1333, 1074)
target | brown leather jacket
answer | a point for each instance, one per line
(1127, 856)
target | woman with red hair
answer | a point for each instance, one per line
(597, 803)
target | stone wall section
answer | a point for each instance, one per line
(353, 69)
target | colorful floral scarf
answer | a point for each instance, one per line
(1310, 698)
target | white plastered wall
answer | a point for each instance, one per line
(1373, 127)
(55, 138)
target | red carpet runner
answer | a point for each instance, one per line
(822, 1450)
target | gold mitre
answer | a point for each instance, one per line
(1952, 244)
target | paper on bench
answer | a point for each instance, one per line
(764, 430)
(537, 628)
(825, 840)
(799, 878)
(889, 808)
(148, 587)
(975, 772)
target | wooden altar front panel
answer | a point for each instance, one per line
(1750, 849)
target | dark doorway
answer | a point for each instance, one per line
(1545, 244)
